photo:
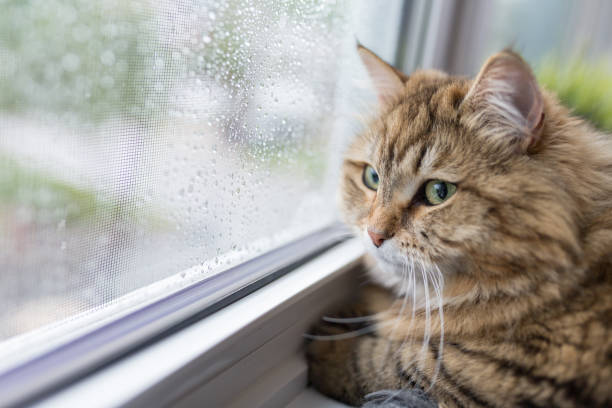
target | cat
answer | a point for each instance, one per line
(486, 210)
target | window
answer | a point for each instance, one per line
(161, 159)
(147, 147)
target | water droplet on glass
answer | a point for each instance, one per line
(71, 62)
(107, 58)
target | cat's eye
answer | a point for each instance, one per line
(370, 178)
(438, 191)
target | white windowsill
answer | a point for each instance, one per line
(247, 354)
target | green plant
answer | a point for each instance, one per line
(585, 86)
(81, 59)
(36, 190)
(51, 198)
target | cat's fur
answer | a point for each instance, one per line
(524, 246)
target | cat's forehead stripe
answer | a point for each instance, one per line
(429, 125)
(412, 138)
(410, 121)
(419, 159)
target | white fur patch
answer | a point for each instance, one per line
(406, 274)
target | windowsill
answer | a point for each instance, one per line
(246, 354)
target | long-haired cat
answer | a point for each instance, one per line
(486, 209)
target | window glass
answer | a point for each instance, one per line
(146, 145)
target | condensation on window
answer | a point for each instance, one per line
(161, 142)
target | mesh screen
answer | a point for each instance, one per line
(161, 142)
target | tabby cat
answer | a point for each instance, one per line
(486, 209)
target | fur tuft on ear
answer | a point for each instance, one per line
(506, 96)
(388, 81)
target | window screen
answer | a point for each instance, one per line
(146, 145)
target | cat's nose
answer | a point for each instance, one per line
(377, 239)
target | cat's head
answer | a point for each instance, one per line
(463, 176)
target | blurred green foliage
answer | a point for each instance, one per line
(41, 192)
(79, 59)
(583, 85)
(50, 199)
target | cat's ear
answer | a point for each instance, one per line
(506, 95)
(388, 81)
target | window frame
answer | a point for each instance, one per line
(222, 363)
(102, 346)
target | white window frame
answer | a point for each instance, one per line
(247, 354)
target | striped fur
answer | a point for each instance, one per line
(524, 248)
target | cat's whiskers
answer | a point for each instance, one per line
(427, 330)
(411, 285)
(405, 282)
(349, 320)
(409, 335)
(360, 319)
(432, 279)
(376, 316)
(437, 280)
(348, 335)
(413, 277)
(404, 290)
